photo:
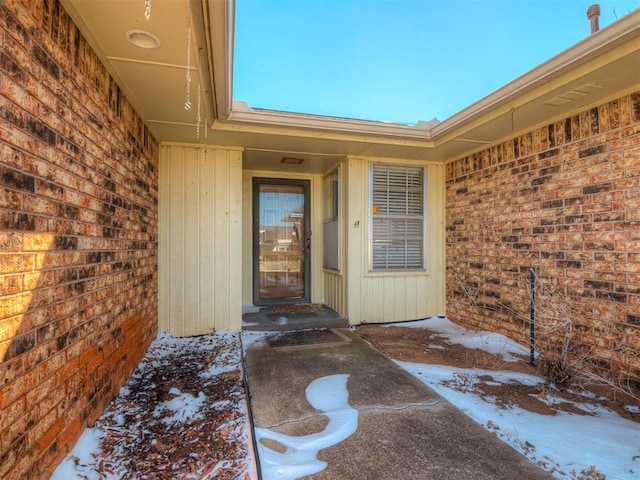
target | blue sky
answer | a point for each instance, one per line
(398, 60)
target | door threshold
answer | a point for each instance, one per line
(293, 317)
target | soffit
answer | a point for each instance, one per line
(155, 83)
(154, 80)
(601, 68)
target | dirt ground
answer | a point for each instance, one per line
(421, 345)
(139, 439)
(182, 415)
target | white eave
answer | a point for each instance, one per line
(527, 89)
(242, 113)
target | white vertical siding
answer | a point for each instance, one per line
(192, 322)
(247, 238)
(392, 296)
(207, 236)
(317, 240)
(200, 255)
(206, 262)
(355, 234)
(334, 291)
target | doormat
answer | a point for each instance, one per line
(307, 339)
(298, 308)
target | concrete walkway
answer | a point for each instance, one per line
(404, 429)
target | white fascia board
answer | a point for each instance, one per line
(219, 24)
(241, 113)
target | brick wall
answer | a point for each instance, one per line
(564, 199)
(78, 237)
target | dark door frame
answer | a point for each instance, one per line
(306, 248)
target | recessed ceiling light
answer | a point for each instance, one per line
(143, 39)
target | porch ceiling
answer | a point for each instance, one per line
(601, 67)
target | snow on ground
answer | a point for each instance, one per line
(300, 458)
(569, 445)
(183, 414)
(490, 342)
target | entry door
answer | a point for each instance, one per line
(281, 241)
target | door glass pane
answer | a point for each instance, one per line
(281, 240)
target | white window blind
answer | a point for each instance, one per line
(397, 206)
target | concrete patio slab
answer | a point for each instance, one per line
(404, 429)
(270, 319)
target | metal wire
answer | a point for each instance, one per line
(199, 118)
(187, 102)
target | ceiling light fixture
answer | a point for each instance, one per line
(143, 39)
(291, 160)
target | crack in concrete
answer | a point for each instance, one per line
(434, 406)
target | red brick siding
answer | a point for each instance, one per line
(564, 199)
(78, 237)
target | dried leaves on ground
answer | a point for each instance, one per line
(422, 345)
(183, 414)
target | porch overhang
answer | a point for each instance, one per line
(600, 68)
(597, 69)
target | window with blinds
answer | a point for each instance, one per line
(397, 217)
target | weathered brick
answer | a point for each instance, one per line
(569, 205)
(71, 149)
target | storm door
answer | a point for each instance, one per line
(281, 241)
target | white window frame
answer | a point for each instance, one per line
(397, 218)
(331, 219)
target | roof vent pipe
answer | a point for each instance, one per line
(593, 12)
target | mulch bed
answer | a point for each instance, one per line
(184, 412)
(421, 345)
(182, 415)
